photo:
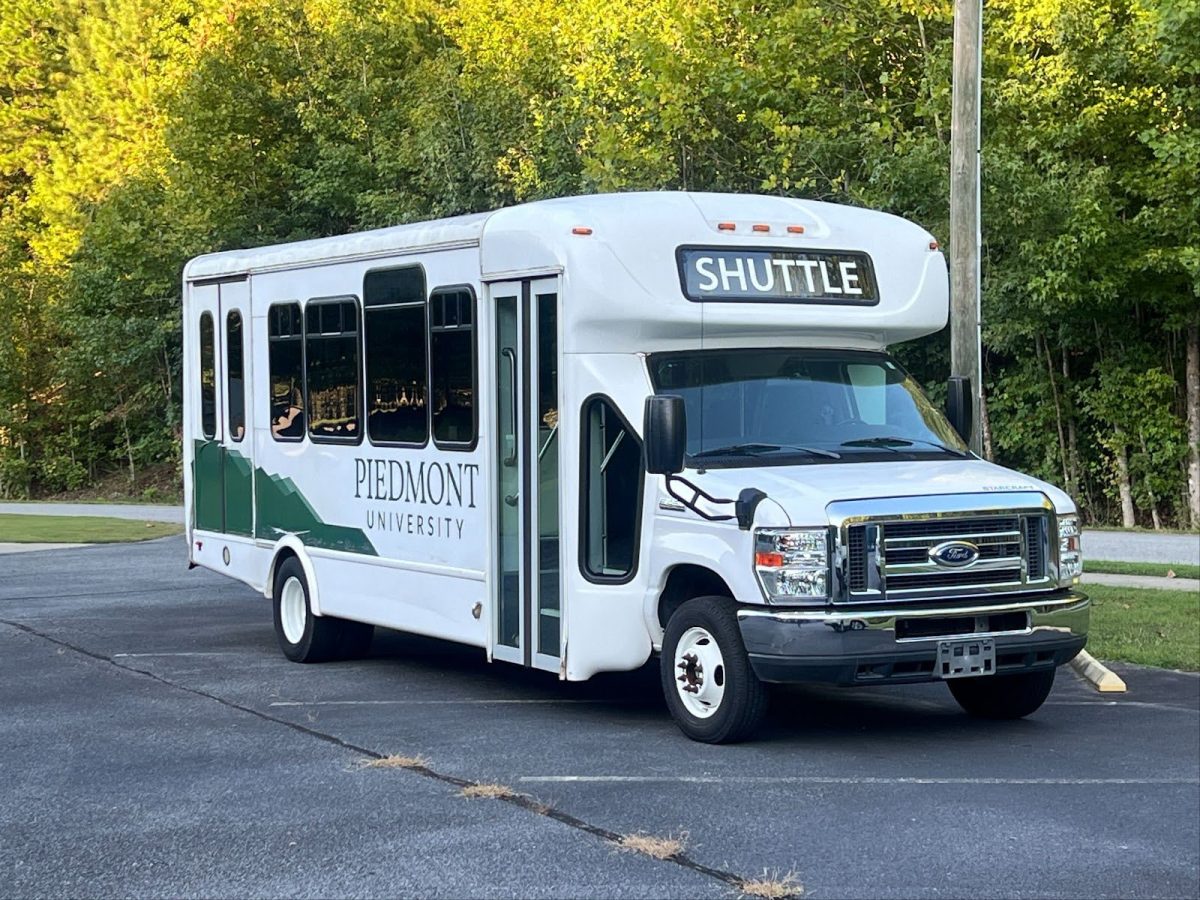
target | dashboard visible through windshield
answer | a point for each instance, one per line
(782, 407)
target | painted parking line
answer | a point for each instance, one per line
(538, 702)
(1140, 704)
(830, 779)
(174, 653)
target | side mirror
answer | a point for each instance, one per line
(664, 429)
(959, 398)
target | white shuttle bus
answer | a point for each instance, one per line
(579, 432)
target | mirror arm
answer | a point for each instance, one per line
(697, 493)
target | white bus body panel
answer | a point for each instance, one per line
(428, 567)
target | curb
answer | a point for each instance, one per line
(1101, 677)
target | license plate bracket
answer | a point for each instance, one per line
(966, 659)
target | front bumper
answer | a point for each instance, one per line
(899, 644)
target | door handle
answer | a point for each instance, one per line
(511, 499)
(511, 356)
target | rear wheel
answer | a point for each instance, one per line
(304, 637)
(1003, 696)
(711, 689)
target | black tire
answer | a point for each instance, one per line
(324, 637)
(744, 703)
(1003, 696)
(355, 639)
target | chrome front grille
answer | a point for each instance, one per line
(889, 557)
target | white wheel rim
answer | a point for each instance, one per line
(292, 610)
(699, 671)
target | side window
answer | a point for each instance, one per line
(397, 372)
(208, 376)
(235, 374)
(285, 346)
(331, 369)
(612, 493)
(452, 366)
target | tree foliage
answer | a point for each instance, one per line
(135, 134)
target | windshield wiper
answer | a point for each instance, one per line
(894, 443)
(756, 449)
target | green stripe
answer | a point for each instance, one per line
(283, 508)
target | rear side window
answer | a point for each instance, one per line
(235, 375)
(285, 347)
(612, 494)
(208, 376)
(452, 366)
(397, 390)
(331, 365)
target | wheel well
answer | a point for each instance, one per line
(280, 558)
(686, 582)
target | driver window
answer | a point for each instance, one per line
(868, 386)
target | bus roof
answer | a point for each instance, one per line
(673, 212)
(624, 257)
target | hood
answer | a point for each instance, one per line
(803, 491)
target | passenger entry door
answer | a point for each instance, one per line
(526, 602)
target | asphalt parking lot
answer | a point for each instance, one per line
(156, 743)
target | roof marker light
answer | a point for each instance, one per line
(581, 229)
(934, 245)
(795, 229)
(762, 228)
(725, 226)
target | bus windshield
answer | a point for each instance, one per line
(775, 407)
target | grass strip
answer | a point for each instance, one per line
(1161, 570)
(1146, 626)
(22, 529)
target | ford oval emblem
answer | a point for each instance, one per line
(954, 554)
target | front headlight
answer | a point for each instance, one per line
(792, 564)
(1070, 551)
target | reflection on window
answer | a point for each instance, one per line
(208, 377)
(452, 365)
(285, 347)
(837, 400)
(397, 373)
(612, 484)
(331, 360)
(235, 374)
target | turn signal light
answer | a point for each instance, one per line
(768, 560)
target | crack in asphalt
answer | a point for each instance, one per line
(522, 801)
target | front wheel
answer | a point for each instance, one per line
(1003, 696)
(711, 689)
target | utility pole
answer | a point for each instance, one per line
(966, 323)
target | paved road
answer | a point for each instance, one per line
(146, 512)
(1141, 546)
(155, 742)
(1143, 581)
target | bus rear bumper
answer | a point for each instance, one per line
(900, 644)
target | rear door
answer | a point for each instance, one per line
(223, 471)
(207, 474)
(237, 467)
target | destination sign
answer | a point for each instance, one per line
(777, 276)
